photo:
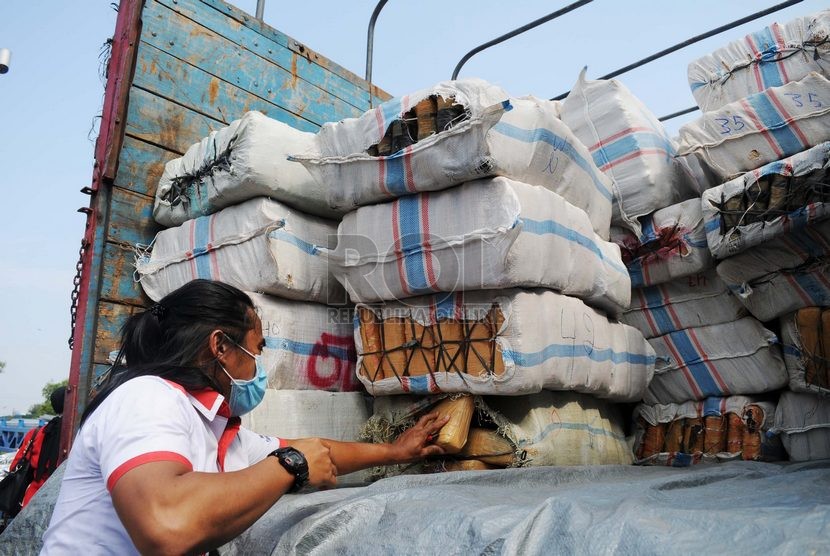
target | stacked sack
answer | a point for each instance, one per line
(241, 212)
(762, 136)
(712, 359)
(477, 254)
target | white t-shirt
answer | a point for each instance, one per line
(146, 419)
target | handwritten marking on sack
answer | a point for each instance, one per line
(728, 126)
(342, 369)
(567, 331)
(553, 164)
(696, 280)
(798, 100)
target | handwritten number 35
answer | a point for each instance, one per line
(728, 126)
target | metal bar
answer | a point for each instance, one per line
(693, 40)
(518, 31)
(107, 147)
(370, 44)
(678, 113)
(260, 9)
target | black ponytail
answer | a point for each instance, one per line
(170, 338)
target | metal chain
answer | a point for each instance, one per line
(76, 290)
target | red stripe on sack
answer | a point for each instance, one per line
(149, 457)
(214, 259)
(230, 432)
(381, 159)
(407, 165)
(612, 138)
(723, 406)
(459, 301)
(396, 236)
(673, 315)
(779, 37)
(404, 380)
(760, 127)
(789, 119)
(756, 69)
(633, 155)
(409, 179)
(797, 287)
(683, 368)
(193, 269)
(709, 365)
(427, 249)
(647, 312)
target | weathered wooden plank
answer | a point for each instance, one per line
(118, 284)
(286, 41)
(140, 166)
(131, 218)
(169, 125)
(299, 61)
(203, 48)
(171, 78)
(111, 317)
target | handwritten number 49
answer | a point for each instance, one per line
(728, 126)
(812, 99)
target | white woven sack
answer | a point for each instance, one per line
(689, 302)
(520, 138)
(761, 128)
(771, 57)
(293, 414)
(260, 245)
(795, 357)
(783, 275)
(630, 145)
(740, 357)
(308, 346)
(547, 341)
(561, 428)
(246, 159)
(710, 407)
(487, 234)
(804, 423)
(672, 245)
(725, 242)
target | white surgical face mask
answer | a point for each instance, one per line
(247, 394)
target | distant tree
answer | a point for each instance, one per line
(2, 366)
(45, 407)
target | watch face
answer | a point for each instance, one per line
(294, 459)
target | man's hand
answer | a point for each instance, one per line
(322, 472)
(416, 443)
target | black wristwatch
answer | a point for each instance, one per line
(294, 462)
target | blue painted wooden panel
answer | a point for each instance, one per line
(269, 32)
(117, 284)
(166, 76)
(140, 166)
(131, 218)
(280, 50)
(156, 120)
(111, 317)
(203, 48)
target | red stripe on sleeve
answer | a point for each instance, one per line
(149, 457)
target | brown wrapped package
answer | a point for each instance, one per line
(653, 439)
(397, 347)
(466, 465)
(753, 417)
(674, 436)
(693, 439)
(823, 368)
(714, 440)
(431, 115)
(489, 447)
(808, 321)
(734, 433)
(453, 435)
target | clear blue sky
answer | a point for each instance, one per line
(51, 95)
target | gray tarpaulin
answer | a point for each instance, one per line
(735, 508)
